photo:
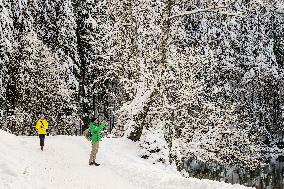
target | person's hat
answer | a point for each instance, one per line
(40, 115)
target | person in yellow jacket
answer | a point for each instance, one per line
(41, 126)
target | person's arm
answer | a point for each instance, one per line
(96, 129)
(46, 127)
(37, 125)
(102, 126)
(92, 128)
(99, 128)
(46, 124)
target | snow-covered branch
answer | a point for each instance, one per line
(210, 9)
(185, 13)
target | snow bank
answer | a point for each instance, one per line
(12, 165)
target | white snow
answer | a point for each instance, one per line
(64, 164)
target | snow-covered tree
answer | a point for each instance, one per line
(30, 64)
(6, 37)
(202, 87)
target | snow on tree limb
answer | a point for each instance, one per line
(210, 9)
(185, 13)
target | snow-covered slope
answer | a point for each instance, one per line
(64, 164)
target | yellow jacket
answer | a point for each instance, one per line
(41, 126)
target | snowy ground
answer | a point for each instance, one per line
(64, 164)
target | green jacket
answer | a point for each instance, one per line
(96, 130)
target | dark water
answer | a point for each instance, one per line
(269, 176)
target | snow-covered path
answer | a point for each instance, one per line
(64, 164)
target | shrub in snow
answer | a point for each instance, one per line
(153, 146)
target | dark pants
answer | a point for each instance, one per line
(41, 139)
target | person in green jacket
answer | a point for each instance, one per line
(95, 129)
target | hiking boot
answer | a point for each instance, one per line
(97, 164)
(91, 163)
